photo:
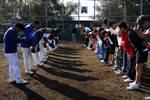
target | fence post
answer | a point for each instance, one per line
(62, 17)
(141, 7)
(14, 11)
(46, 8)
(125, 10)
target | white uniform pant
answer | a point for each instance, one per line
(14, 70)
(36, 58)
(26, 57)
(42, 53)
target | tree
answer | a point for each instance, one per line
(117, 9)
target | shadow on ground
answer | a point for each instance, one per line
(64, 89)
(145, 80)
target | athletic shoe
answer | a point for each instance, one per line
(118, 72)
(40, 65)
(124, 76)
(147, 98)
(11, 80)
(21, 81)
(102, 61)
(133, 87)
(29, 72)
(109, 63)
(88, 48)
(132, 83)
(114, 67)
(46, 57)
(44, 60)
(128, 80)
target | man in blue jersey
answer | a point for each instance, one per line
(28, 33)
(10, 48)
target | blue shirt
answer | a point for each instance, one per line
(29, 34)
(11, 40)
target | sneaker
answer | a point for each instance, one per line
(132, 83)
(147, 98)
(133, 87)
(21, 81)
(110, 64)
(88, 48)
(44, 60)
(128, 80)
(114, 68)
(102, 61)
(118, 72)
(29, 72)
(11, 80)
(124, 76)
(46, 57)
(41, 64)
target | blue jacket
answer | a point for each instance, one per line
(10, 41)
(28, 33)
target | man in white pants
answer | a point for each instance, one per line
(42, 53)
(29, 30)
(10, 46)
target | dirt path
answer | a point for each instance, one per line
(72, 72)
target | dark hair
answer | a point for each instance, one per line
(36, 21)
(111, 23)
(141, 19)
(105, 21)
(20, 26)
(94, 24)
(104, 32)
(123, 24)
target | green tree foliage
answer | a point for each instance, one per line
(115, 9)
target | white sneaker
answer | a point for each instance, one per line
(11, 80)
(41, 64)
(21, 81)
(29, 72)
(133, 87)
(118, 72)
(132, 83)
(46, 57)
(128, 80)
(124, 76)
(114, 67)
(88, 48)
(147, 98)
(102, 61)
(44, 60)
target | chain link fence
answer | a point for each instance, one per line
(11, 12)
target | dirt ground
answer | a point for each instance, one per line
(71, 73)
